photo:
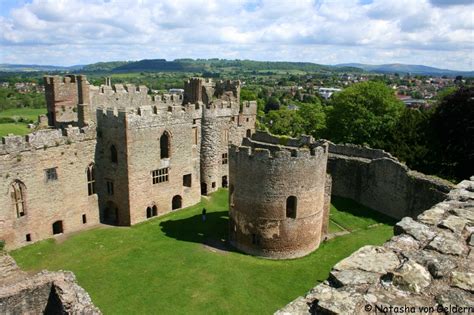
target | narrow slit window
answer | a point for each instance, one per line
(113, 154)
(165, 145)
(291, 204)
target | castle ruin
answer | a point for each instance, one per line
(117, 155)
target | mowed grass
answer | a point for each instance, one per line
(353, 216)
(16, 129)
(162, 267)
(20, 127)
(25, 113)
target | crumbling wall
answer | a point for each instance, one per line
(376, 179)
(428, 267)
(43, 293)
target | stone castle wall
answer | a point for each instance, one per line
(128, 120)
(143, 132)
(25, 160)
(429, 263)
(262, 181)
(377, 180)
(223, 123)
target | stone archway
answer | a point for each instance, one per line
(177, 202)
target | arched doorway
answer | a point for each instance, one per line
(204, 189)
(148, 212)
(154, 211)
(110, 214)
(58, 227)
(176, 203)
(225, 183)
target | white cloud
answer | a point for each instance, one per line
(380, 31)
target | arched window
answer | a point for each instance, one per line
(291, 207)
(113, 154)
(165, 145)
(248, 134)
(91, 179)
(18, 198)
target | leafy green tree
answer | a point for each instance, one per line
(313, 118)
(273, 103)
(411, 139)
(247, 95)
(453, 125)
(364, 113)
(285, 122)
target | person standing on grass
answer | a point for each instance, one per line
(204, 214)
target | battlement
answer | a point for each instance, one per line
(55, 80)
(43, 139)
(121, 89)
(262, 150)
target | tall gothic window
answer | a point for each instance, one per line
(90, 179)
(18, 198)
(165, 145)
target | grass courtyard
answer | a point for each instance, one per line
(162, 267)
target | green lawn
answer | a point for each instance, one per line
(161, 266)
(20, 128)
(16, 129)
(353, 216)
(26, 113)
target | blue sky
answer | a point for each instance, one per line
(437, 33)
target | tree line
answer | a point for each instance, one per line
(438, 140)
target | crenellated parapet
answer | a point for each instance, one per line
(148, 116)
(44, 139)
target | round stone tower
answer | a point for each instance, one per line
(278, 204)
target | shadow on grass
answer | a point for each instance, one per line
(358, 210)
(212, 232)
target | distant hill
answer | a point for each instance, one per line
(105, 66)
(404, 68)
(216, 66)
(150, 65)
(31, 68)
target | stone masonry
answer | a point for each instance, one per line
(427, 268)
(43, 293)
(117, 155)
(379, 181)
(278, 200)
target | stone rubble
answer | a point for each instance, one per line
(46, 292)
(428, 263)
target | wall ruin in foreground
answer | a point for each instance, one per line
(429, 263)
(43, 293)
(379, 181)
